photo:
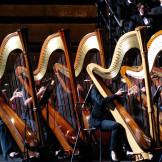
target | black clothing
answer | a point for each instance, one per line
(99, 116)
(138, 20)
(156, 15)
(125, 10)
(46, 95)
(143, 20)
(156, 10)
(99, 104)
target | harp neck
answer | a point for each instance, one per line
(10, 43)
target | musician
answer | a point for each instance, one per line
(99, 119)
(158, 9)
(6, 141)
(142, 18)
(26, 114)
(156, 13)
(5, 138)
(126, 9)
(16, 94)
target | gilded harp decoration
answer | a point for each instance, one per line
(138, 141)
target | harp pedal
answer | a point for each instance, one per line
(137, 157)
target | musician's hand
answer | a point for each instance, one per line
(143, 89)
(119, 92)
(52, 82)
(41, 90)
(17, 93)
(133, 90)
(14, 93)
(79, 87)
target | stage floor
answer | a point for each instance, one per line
(68, 160)
(55, 160)
(20, 160)
(10, 160)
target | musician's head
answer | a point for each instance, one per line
(142, 8)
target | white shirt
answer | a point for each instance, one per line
(146, 21)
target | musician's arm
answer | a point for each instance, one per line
(16, 94)
(39, 94)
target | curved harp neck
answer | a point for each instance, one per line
(51, 44)
(90, 41)
(10, 43)
(125, 43)
(154, 48)
(124, 76)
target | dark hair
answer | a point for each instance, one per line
(146, 7)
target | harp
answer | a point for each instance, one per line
(88, 42)
(138, 141)
(62, 129)
(154, 49)
(15, 124)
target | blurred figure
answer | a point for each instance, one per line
(5, 138)
(156, 13)
(142, 19)
(158, 9)
(126, 9)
